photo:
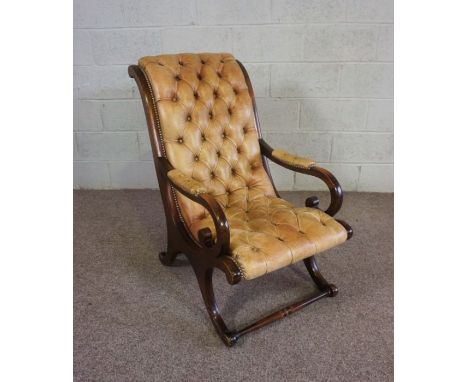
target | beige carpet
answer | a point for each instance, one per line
(136, 320)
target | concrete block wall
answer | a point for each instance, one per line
(322, 72)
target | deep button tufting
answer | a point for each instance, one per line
(215, 94)
(222, 61)
(277, 229)
(219, 74)
(181, 63)
(223, 135)
(253, 205)
(189, 118)
(233, 171)
(177, 78)
(229, 111)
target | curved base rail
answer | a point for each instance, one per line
(230, 337)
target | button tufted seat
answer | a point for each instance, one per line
(268, 233)
(207, 126)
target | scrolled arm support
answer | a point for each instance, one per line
(195, 191)
(305, 166)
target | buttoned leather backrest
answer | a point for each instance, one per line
(207, 127)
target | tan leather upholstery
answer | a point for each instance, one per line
(293, 160)
(187, 183)
(207, 127)
(268, 233)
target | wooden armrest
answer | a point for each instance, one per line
(196, 192)
(187, 183)
(307, 166)
(292, 160)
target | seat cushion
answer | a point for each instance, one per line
(268, 233)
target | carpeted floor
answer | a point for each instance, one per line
(136, 320)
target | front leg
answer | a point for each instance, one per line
(205, 282)
(319, 280)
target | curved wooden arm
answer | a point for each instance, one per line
(205, 236)
(336, 193)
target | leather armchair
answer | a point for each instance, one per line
(222, 209)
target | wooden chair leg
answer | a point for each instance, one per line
(205, 281)
(230, 337)
(167, 258)
(319, 280)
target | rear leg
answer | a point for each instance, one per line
(167, 257)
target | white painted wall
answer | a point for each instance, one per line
(322, 72)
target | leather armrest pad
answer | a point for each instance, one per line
(186, 183)
(293, 160)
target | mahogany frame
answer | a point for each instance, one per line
(206, 254)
